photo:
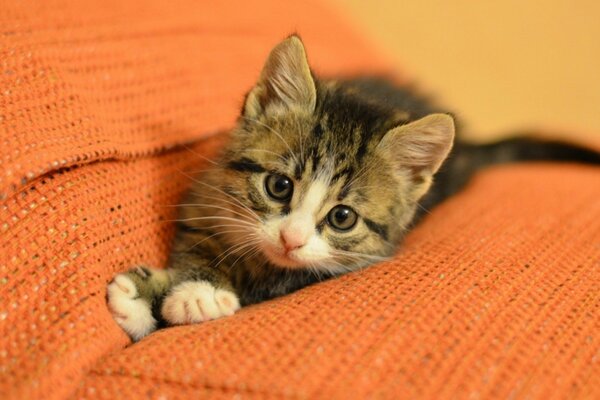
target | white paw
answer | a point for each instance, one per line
(131, 313)
(197, 301)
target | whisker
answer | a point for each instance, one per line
(220, 226)
(211, 217)
(366, 187)
(222, 192)
(202, 171)
(317, 269)
(219, 191)
(199, 155)
(233, 249)
(361, 172)
(241, 205)
(253, 251)
(217, 207)
(361, 255)
(336, 268)
(423, 208)
(282, 158)
(213, 235)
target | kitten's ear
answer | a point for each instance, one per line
(420, 147)
(285, 82)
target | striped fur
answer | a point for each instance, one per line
(327, 137)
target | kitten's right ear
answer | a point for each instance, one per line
(285, 82)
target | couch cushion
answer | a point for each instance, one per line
(101, 103)
(494, 295)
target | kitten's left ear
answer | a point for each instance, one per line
(420, 148)
(285, 82)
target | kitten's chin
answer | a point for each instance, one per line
(283, 260)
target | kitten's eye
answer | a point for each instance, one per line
(279, 187)
(342, 218)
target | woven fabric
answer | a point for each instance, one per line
(494, 295)
(106, 108)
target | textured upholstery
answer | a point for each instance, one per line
(107, 108)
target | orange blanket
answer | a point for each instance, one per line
(105, 107)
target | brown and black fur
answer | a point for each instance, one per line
(466, 158)
(349, 121)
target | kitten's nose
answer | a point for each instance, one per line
(292, 239)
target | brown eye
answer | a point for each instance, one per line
(342, 218)
(279, 187)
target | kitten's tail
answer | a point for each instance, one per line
(527, 149)
(466, 159)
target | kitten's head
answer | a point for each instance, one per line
(332, 174)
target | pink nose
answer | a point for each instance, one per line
(291, 239)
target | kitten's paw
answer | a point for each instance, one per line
(196, 301)
(132, 313)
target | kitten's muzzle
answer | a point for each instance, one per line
(292, 239)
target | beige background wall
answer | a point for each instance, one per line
(503, 65)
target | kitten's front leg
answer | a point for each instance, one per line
(132, 296)
(188, 292)
(201, 293)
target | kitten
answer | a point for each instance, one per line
(319, 178)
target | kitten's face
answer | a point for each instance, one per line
(321, 175)
(318, 204)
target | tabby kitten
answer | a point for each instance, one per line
(319, 178)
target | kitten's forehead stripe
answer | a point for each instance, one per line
(298, 169)
(344, 192)
(346, 172)
(362, 149)
(245, 165)
(316, 159)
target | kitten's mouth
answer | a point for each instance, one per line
(282, 259)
